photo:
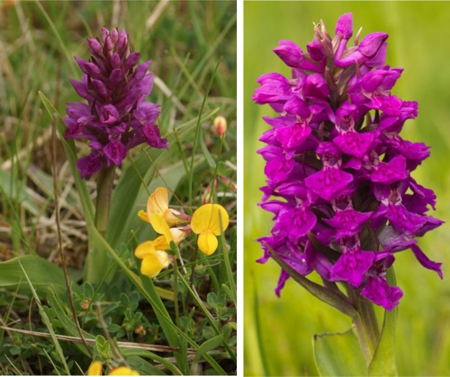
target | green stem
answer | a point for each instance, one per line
(193, 265)
(97, 259)
(226, 258)
(104, 192)
(213, 185)
(212, 274)
(197, 136)
(370, 321)
(363, 339)
(366, 325)
(175, 291)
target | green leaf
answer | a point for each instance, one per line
(212, 299)
(103, 347)
(228, 291)
(47, 322)
(205, 151)
(69, 148)
(164, 319)
(207, 314)
(144, 367)
(227, 264)
(62, 314)
(383, 362)
(15, 351)
(137, 352)
(95, 256)
(41, 272)
(10, 189)
(207, 346)
(259, 330)
(338, 354)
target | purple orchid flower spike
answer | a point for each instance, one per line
(117, 117)
(344, 200)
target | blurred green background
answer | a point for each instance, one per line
(278, 332)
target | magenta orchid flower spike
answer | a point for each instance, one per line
(338, 173)
(116, 116)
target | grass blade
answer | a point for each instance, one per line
(47, 322)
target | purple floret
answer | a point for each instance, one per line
(117, 117)
(336, 166)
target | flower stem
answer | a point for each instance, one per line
(366, 326)
(97, 258)
(363, 339)
(370, 321)
(104, 192)
(213, 185)
(175, 292)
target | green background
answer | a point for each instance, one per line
(278, 332)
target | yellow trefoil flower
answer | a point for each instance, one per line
(95, 369)
(153, 259)
(123, 371)
(209, 221)
(158, 203)
(152, 253)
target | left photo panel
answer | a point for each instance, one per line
(118, 195)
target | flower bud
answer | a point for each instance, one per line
(316, 51)
(371, 43)
(227, 182)
(85, 304)
(95, 46)
(139, 330)
(289, 52)
(220, 125)
(344, 26)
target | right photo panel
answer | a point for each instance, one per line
(346, 169)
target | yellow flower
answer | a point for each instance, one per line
(170, 234)
(152, 264)
(153, 258)
(205, 222)
(158, 203)
(123, 371)
(161, 226)
(152, 253)
(95, 369)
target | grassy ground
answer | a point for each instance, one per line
(191, 44)
(278, 332)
